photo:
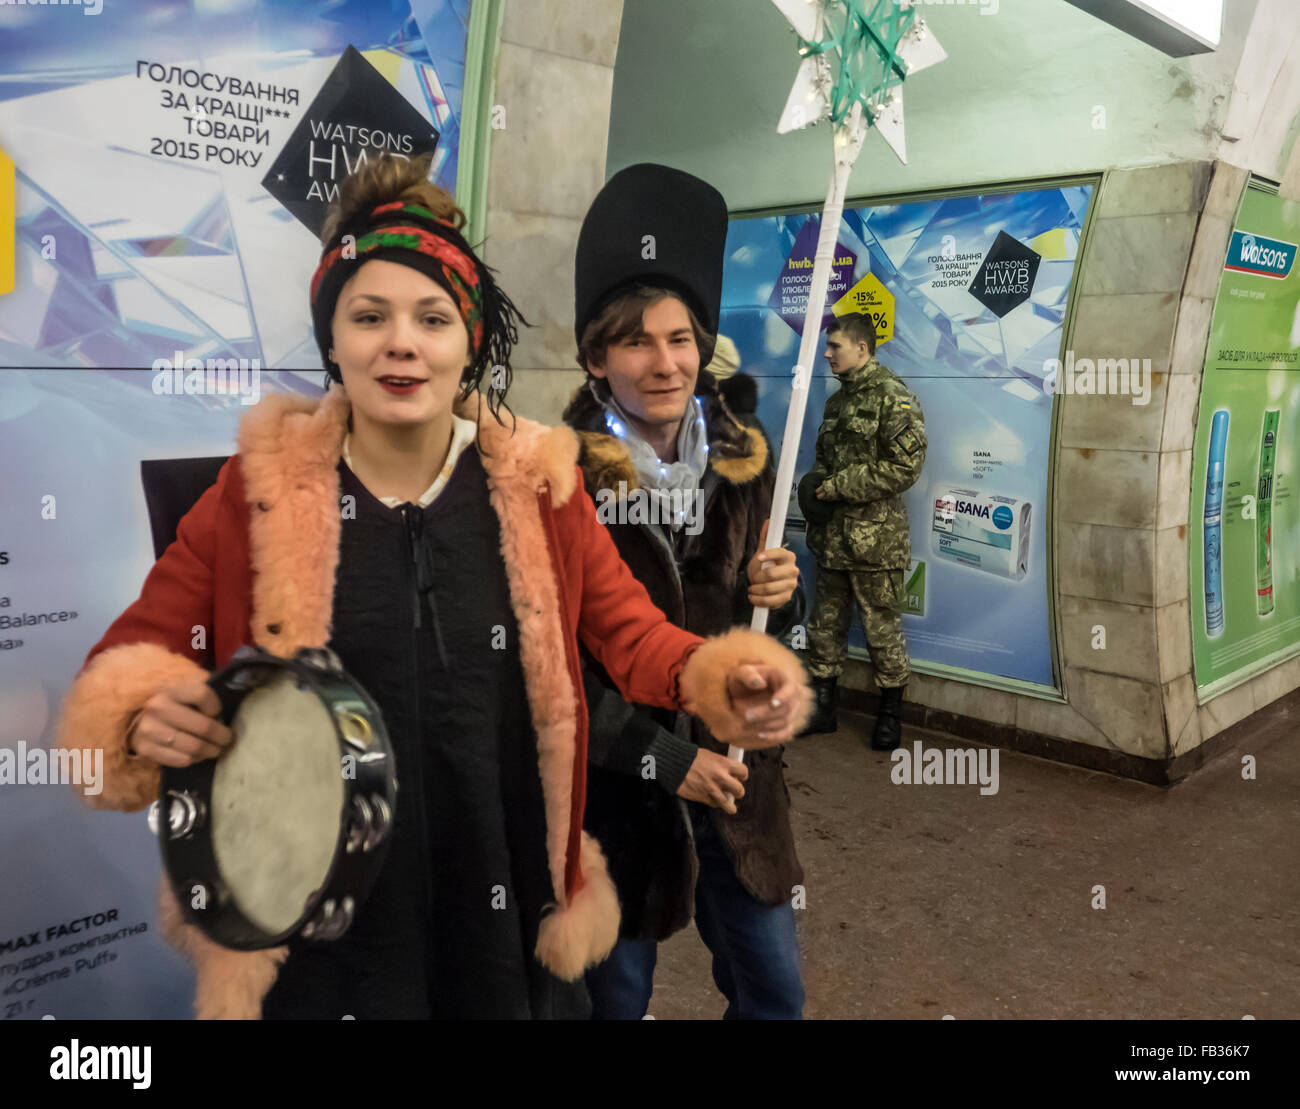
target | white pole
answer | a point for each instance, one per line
(812, 321)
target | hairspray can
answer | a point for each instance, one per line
(1264, 514)
(1213, 525)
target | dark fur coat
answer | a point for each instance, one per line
(702, 587)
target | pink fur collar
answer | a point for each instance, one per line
(307, 431)
(289, 450)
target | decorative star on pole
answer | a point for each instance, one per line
(876, 45)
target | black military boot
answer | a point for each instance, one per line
(823, 719)
(888, 732)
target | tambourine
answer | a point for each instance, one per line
(285, 833)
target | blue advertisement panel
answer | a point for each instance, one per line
(78, 935)
(969, 296)
(173, 161)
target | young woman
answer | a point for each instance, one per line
(453, 562)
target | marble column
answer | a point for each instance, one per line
(554, 77)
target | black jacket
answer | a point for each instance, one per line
(448, 931)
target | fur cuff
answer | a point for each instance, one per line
(583, 932)
(231, 984)
(100, 707)
(704, 680)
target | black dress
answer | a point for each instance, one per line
(422, 619)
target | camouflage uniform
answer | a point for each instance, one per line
(872, 444)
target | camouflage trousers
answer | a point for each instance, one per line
(878, 594)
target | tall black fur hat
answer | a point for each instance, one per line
(655, 225)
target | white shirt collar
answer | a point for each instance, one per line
(462, 435)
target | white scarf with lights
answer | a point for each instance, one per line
(662, 479)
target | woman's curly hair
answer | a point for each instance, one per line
(386, 179)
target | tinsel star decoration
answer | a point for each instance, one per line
(875, 45)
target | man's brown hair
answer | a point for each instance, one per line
(621, 319)
(857, 326)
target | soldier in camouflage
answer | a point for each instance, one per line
(870, 448)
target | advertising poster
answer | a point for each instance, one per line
(1245, 574)
(174, 159)
(172, 162)
(968, 295)
(78, 935)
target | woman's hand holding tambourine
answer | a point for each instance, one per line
(179, 727)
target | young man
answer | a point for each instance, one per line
(870, 448)
(684, 490)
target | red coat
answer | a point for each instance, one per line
(254, 562)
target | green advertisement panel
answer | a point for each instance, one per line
(1245, 566)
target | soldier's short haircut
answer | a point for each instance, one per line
(857, 326)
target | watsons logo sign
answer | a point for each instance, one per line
(1005, 279)
(1260, 255)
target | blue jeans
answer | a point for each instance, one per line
(755, 954)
